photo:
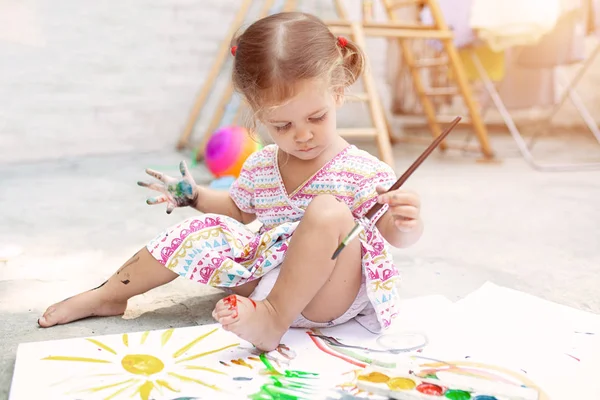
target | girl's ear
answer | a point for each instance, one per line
(339, 97)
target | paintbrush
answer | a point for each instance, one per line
(357, 228)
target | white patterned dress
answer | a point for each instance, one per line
(221, 252)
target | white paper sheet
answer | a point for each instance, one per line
(494, 328)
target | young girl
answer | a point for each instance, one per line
(307, 189)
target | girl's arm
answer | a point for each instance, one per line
(214, 201)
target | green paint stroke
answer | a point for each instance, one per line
(289, 385)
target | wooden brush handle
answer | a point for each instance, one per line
(415, 165)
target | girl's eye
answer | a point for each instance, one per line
(319, 119)
(284, 127)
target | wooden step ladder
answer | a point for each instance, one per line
(380, 130)
(404, 32)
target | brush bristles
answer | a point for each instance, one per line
(351, 236)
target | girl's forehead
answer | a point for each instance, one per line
(310, 98)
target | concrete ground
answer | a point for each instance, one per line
(71, 204)
(77, 219)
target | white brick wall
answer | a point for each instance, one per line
(110, 77)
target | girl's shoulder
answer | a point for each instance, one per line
(261, 158)
(365, 163)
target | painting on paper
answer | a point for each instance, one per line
(194, 362)
(206, 362)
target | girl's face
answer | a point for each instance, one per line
(305, 126)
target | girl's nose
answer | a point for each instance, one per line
(303, 135)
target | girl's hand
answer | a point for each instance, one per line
(404, 206)
(176, 192)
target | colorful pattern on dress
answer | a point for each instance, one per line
(219, 251)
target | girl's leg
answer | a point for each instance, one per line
(309, 282)
(139, 274)
(246, 289)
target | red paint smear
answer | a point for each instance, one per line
(253, 303)
(573, 357)
(331, 353)
(231, 303)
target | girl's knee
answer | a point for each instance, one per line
(327, 209)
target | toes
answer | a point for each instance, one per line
(220, 306)
(228, 320)
(49, 311)
(226, 328)
(44, 323)
(219, 314)
(225, 316)
(225, 313)
(45, 320)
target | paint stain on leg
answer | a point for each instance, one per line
(96, 287)
(131, 261)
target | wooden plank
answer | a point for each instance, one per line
(357, 132)
(395, 33)
(406, 3)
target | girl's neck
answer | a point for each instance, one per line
(294, 172)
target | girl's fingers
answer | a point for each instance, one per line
(158, 175)
(397, 198)
(410, 212)
(157, 200)
(185, 173)
(170, 208)
(183, 168)
(152, 186)
(405, 225)
(380, 189)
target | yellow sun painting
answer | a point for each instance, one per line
(145, 365)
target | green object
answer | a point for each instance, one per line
(289, 385)
(458, 395)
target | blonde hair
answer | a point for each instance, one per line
(276, 53)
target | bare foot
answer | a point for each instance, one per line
(255, 322)
(83, 305)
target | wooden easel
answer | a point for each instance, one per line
(404, 33)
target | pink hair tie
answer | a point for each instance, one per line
(342, 41)
(233, 50)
